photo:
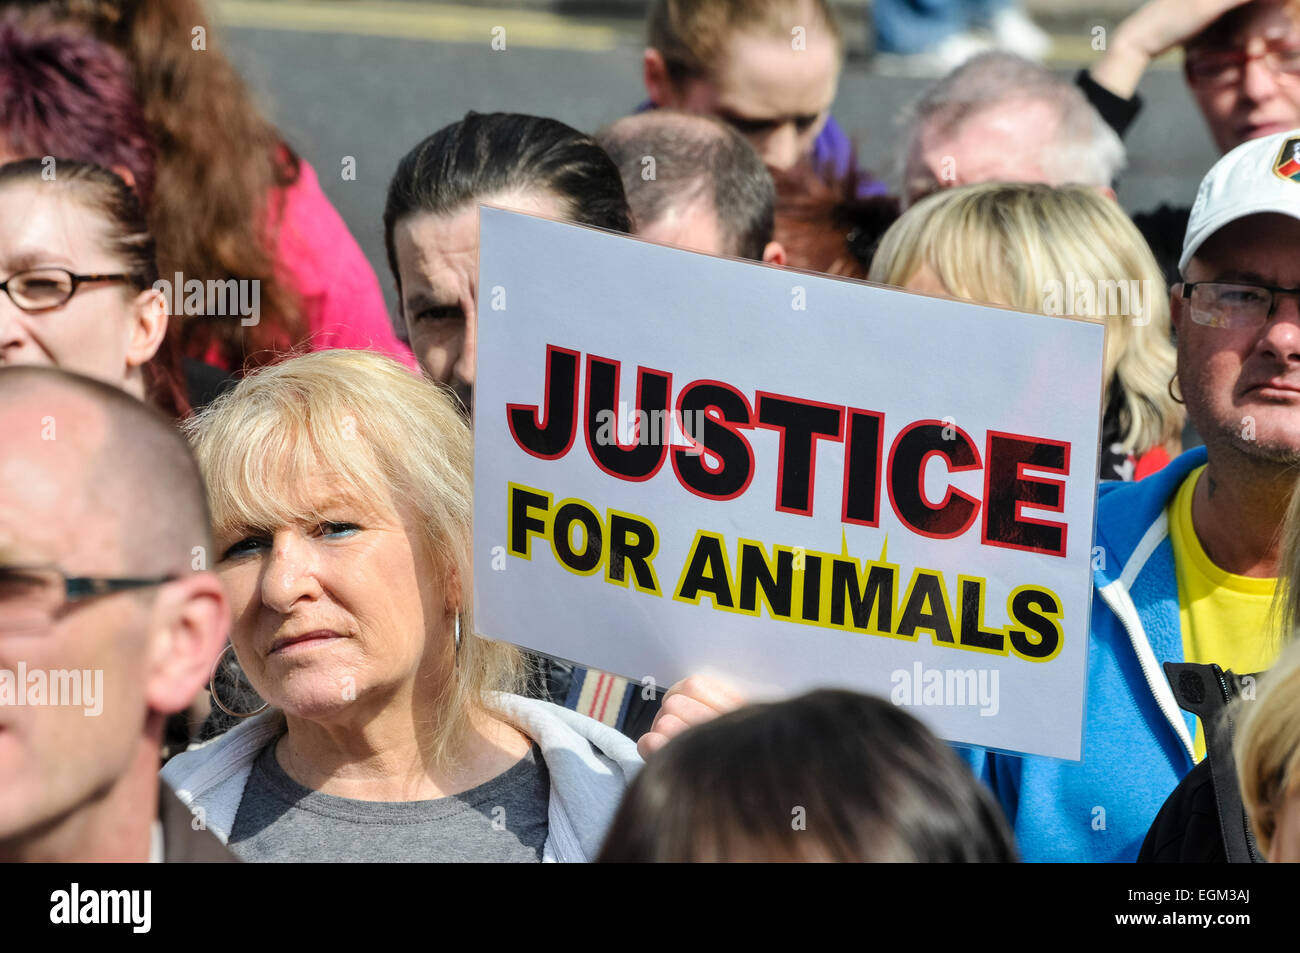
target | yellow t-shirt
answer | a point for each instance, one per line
(1224, 617)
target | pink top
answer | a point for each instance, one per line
(341, 298)
(342, 304)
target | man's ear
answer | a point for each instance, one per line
(658, 85)
(148, 327)
(126, 175)
(774, 253)
(190, 624)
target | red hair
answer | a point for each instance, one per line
(67, 94)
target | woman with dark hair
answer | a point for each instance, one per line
(525, 163)
(66, 95)
(828, 776)
(828, 225)
(232, 200)
(77, 265)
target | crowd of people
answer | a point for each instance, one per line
(278, 601)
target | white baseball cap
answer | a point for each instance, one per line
(1260, 175)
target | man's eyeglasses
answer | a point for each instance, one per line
(44, 289)
(1231, 304)
(32, 597)
(1226, 67)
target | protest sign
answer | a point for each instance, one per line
(686, 463)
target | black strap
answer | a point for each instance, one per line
(1205, 691)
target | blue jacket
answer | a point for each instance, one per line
(1137, 742)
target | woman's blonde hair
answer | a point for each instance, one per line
(1267, 745)
(1065, 250)
(1285, 613)
(1267, 742)
(371, 425)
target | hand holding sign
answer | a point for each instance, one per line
(692, 701)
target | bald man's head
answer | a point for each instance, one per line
(96, 486)
(693, 181)
(101, 466)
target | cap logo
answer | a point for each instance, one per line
(1287, 165)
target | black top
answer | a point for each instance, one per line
(1118, 112)
(1187, 830)
(1203, 820)
(204, 383)
(1164, 227)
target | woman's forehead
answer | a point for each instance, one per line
(765, 78)
(41, 224)
(276, 499)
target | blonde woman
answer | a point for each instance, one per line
(1267, 746)
(340, 489)
(1268, 760)
(1066, 251)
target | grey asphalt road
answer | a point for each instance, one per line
(372, 97)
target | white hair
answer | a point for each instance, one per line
(1085, 149)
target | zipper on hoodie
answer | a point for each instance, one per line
(1151, 686)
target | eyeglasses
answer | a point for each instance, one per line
(32, 597)
(1225, 67)
(1230, 304)
(44, 289)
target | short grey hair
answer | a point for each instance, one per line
(695, 157)
(1087, 150)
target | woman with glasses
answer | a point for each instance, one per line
(77, 267)
(340, 489)
(232, 201)
(1241, 62)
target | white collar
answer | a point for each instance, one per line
(156, 843)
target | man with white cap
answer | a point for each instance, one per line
(1186, 559)
(1189, 556)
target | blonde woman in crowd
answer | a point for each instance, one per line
(1268, 760)
(340, 488)
(1066, 251)
(1267, 745)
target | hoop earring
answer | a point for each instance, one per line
(1176, 398)
(212, 687)
(457, 631)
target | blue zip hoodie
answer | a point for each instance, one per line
(1137, 742)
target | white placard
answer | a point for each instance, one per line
(844, 485)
